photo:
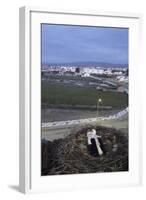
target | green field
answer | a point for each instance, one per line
(53, 94)
(78, 78)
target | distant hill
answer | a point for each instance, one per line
(88, 64)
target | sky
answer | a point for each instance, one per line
(68, 44)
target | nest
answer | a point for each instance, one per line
(71, 155)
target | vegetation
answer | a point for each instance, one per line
(57, 94)
(63, 77)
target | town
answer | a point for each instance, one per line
(84, 99)
(102, 78)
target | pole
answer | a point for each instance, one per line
(97, 108)
(98, 102)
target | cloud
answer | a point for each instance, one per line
(63, 43)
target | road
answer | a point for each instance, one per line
(59, 124)
(55, 130)
(53, 133)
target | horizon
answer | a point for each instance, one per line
(86, 63)
(81, 44)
